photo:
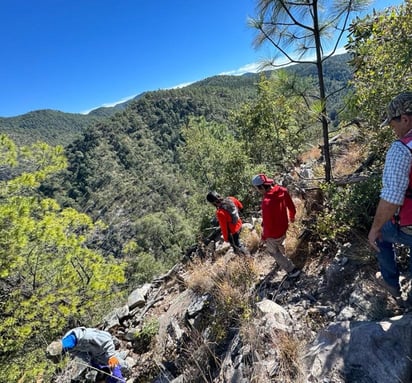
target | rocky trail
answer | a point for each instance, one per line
(195, 324)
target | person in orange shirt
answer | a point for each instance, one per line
(227, 214)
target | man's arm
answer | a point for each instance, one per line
(237, 203)
(69, 342)
(290, 206)
(395, 182)
(384, 212)
(223, 224)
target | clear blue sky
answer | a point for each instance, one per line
(77, 55)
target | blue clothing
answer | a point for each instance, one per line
(391, 234)
(116, 373)
(69, 342)
(395, 177)
(116, 377)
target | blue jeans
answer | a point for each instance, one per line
(391, 234)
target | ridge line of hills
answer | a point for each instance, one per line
(57, 127)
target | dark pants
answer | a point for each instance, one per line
(234, 240)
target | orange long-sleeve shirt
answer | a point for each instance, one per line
(225, 220)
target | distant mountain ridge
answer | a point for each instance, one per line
(57, 127)
(51, 126)
(107, 111)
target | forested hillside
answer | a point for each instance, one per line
(130, 170)
(51, 126)
(59, 128)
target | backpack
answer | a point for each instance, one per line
(228, 205)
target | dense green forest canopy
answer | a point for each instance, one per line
(51, 126)
(48, 274)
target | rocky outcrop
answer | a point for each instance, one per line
(362, 352)
(331, 324)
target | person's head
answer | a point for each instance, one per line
(214, 198)
(262, 183)
(55, 348)
(399, 114)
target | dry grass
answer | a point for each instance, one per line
(289, 348)
(254, 337)
(348, 162)
(311, 155)
(292, 237)
(202, 275)
(199, 354)
(229, 282)
(287, 368)
(251, 239)
(237, 272)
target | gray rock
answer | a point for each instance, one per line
(361, 352)
(276, 316)
(138, 297)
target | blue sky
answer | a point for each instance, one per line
(77, 55)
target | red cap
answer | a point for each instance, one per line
(261, 179)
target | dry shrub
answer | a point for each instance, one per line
(285, 352)
(199, 356)
(348, 162)
(251, 239)
(253, 336)
(289, 368)
(200, 278)
(310, 155)
(228, 281)
(205, 277)
(230, 298)
(292, 237)
(242, 272)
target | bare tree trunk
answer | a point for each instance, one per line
(322, 94)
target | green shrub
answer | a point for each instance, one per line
(144, 336)
(348, 208)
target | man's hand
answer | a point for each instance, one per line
(113, 362)
(373, 236)
(384, 213)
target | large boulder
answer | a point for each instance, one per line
(362, 352)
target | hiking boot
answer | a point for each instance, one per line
(294, 273)
(395, 292)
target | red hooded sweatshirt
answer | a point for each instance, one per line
(277, 209)
(225, 220)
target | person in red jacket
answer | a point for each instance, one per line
(227, 214)
(278, 210)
